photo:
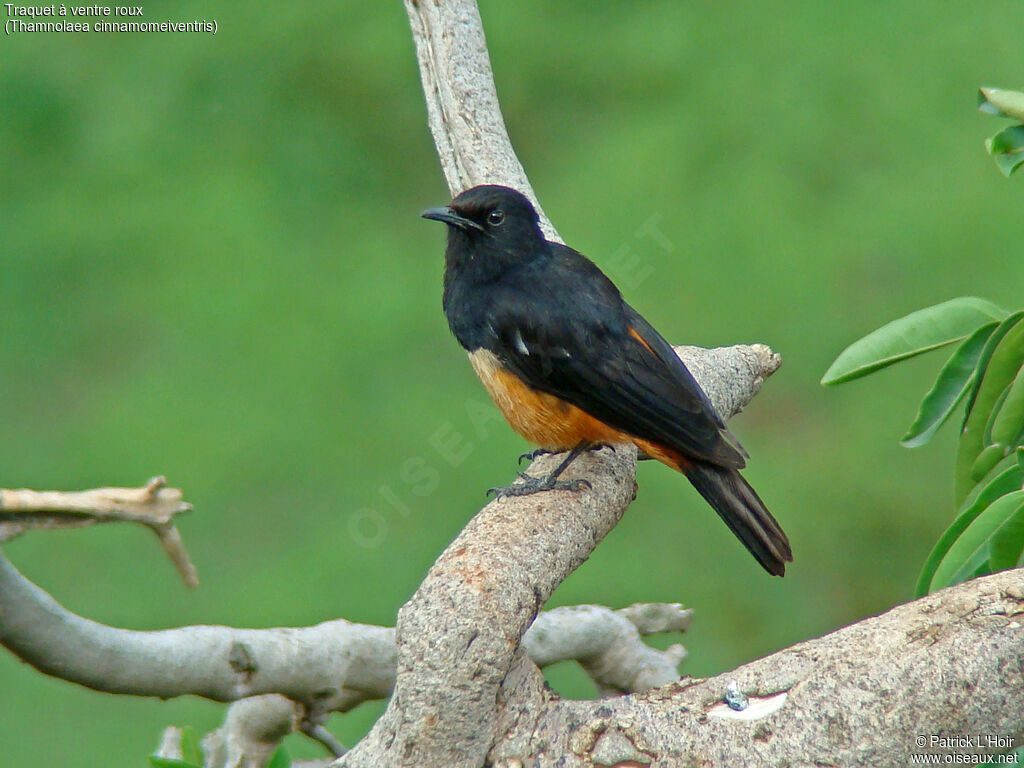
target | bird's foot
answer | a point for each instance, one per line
(534, 455)
(532, 485)
(531, 455)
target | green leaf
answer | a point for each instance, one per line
(988, 458)
(986, 354)
(1002, 367)
(1005, 477)
(979, 566)
(1008, 462)
(281, 759)
(1009, 419)
(971, 548)
(190, 746)
(950, 387)
(1007, 148)
(171, 762)
(911, 335)
(1007, 543)
(986, 435)
(997, 101)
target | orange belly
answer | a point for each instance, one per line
(543, 419)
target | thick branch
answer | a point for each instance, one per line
(460, 632)
(949, 664)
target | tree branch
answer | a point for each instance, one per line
(154, 505)
(949, 663)
(460, 632)
(607, 643)
(462, 102)
(229, 664)
(328, 667)
(871, 694)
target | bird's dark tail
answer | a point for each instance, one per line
(743, 511)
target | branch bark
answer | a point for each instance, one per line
(871, 694)
(328, 667)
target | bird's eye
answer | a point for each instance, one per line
(494, 218)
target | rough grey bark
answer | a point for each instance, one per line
(871, 694)
(329, 667)
(607, 643)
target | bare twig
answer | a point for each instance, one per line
(329, 666)
(330, 742)
(153, 505)
(654, 618)
(170, 743)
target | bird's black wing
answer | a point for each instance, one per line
(571, 335)
(666, 354)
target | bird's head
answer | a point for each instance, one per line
(491, 226)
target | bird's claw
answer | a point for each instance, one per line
(531, 455)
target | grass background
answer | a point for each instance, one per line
(212, 267)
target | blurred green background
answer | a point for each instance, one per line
(212, 267)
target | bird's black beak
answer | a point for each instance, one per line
(448, 215)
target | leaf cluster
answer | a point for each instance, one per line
(1007, 146)
(986, 372)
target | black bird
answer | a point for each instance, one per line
(571, 365)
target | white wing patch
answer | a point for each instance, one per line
(520, 344)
